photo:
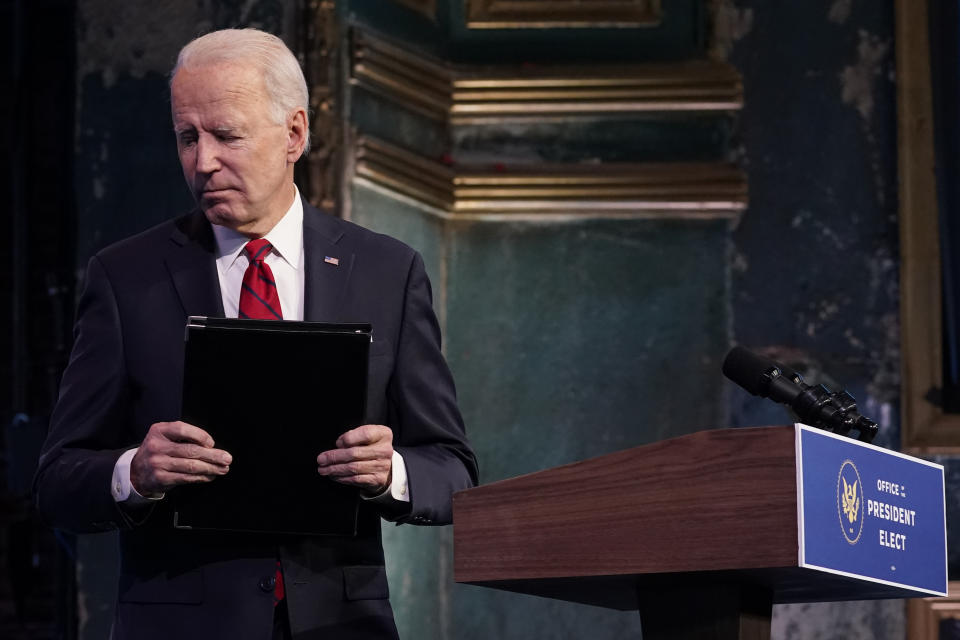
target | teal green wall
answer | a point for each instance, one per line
(567, 339)
(575, 339)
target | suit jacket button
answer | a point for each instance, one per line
(267, 584)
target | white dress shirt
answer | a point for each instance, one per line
(287, 263)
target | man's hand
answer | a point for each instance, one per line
(175, 453)
(363, 458)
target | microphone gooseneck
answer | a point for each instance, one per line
(817, 406)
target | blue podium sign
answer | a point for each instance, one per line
(870, 513)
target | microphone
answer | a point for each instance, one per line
(814, 405)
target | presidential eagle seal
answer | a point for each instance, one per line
(850, 501)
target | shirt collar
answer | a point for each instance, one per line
(286, 237)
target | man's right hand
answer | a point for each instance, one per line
(175, 453)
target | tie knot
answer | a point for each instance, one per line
(258, 249)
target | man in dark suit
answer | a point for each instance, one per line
(115, 445)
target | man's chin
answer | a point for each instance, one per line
(220, 215)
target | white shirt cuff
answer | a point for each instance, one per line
(398, 489)
(120, 486)
(398, 486)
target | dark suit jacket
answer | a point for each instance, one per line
(125, 373)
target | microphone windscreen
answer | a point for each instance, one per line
(747, 369)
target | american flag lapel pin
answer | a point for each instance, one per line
(334, 261)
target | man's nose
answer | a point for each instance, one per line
(208, 159)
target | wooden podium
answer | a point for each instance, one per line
(699, 533)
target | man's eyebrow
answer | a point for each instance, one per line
(225, 129)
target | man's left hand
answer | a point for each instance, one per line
(363, 458)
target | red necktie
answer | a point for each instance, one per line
(259, 299)
(258, 296)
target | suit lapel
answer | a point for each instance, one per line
(328, 266)
(192, 267)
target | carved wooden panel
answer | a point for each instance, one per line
(321, 181)
(926, 427)
(926, 616)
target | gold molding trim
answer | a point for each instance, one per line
(419, 83)
(544, 14)
(925, 614)
(410, 174)
(463, 95)
(699, 191)
(926, 429)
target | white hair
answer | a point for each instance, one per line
(282, 77)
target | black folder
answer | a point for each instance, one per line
(274, 394)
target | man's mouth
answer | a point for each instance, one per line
(213, 193)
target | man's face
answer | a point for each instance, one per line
(237, 162)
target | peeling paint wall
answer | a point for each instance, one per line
(730, 24)
(858, 79)
(815, 257)
(815, 263)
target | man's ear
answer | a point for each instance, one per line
(297, 134)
